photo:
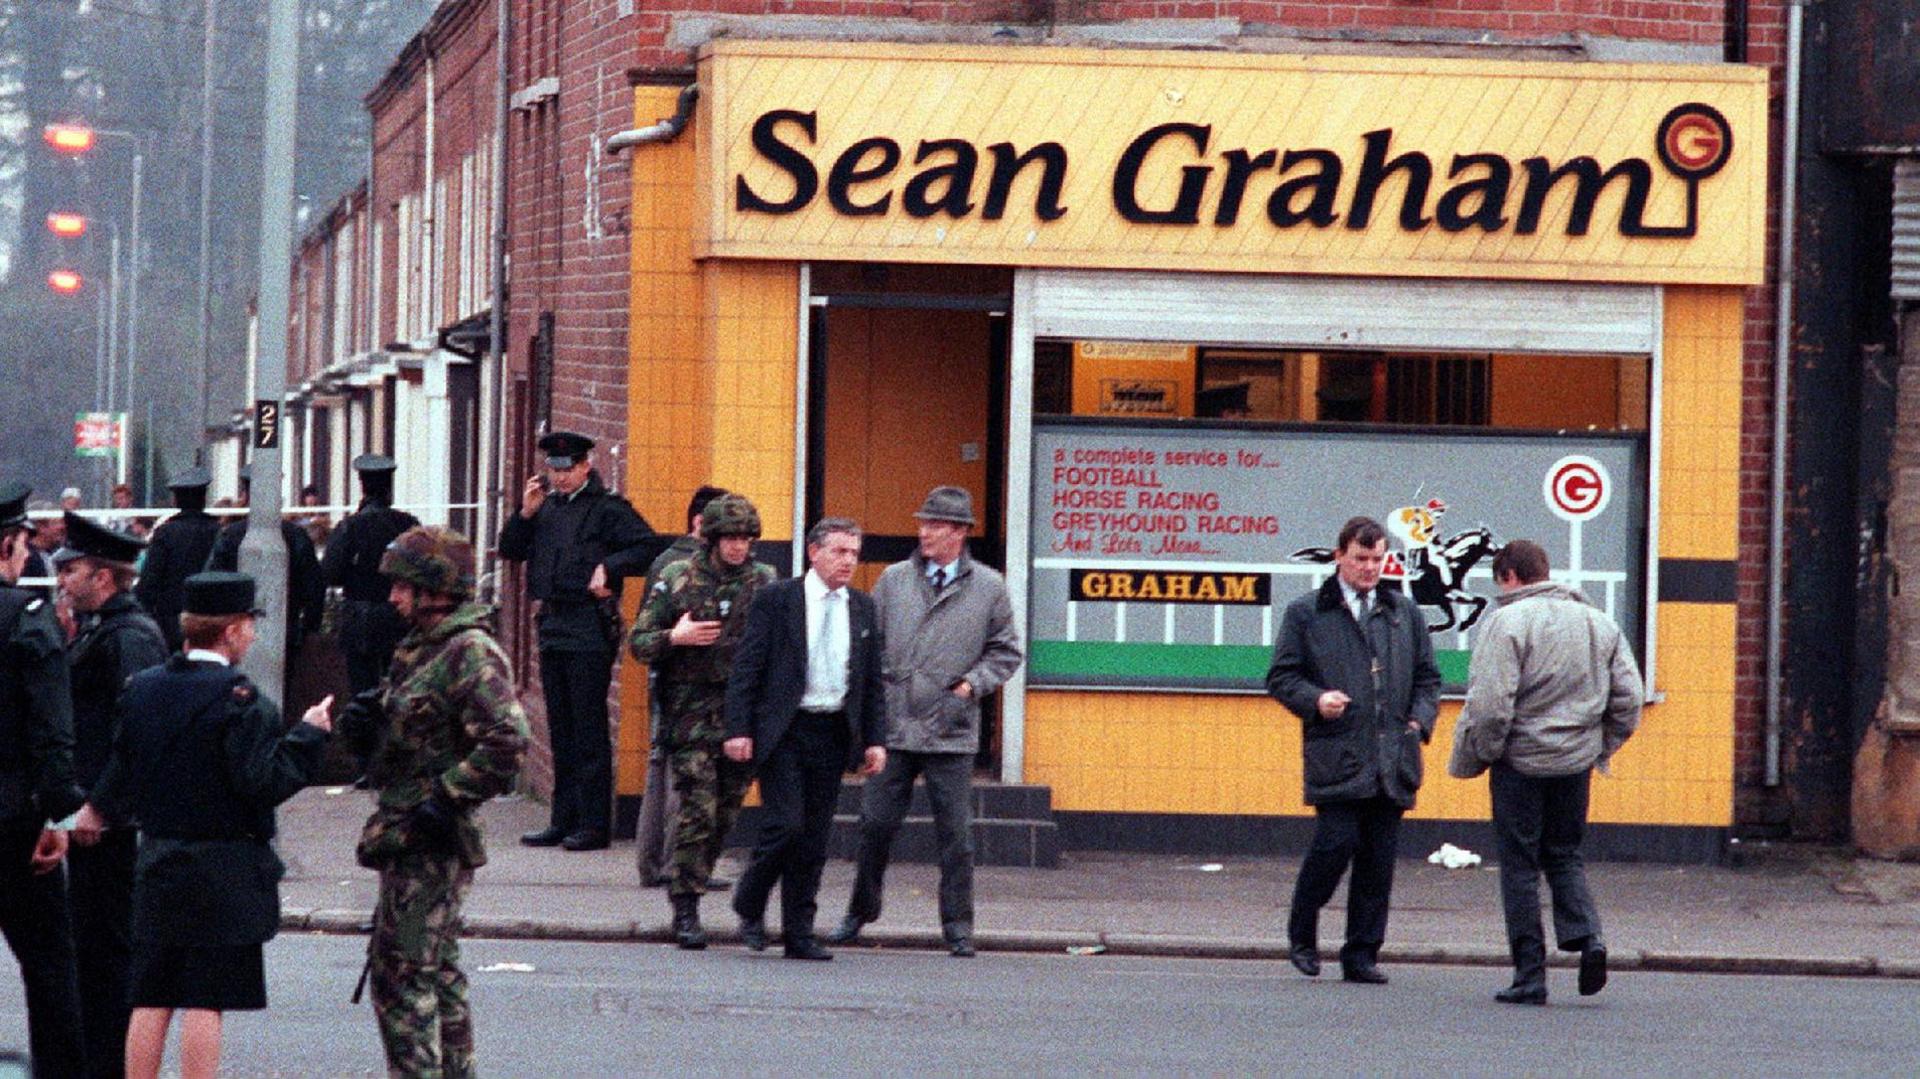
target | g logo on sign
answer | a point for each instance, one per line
(1577, 488)
(1694, 141)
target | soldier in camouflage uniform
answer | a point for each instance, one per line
(693, 619)
(444, 733)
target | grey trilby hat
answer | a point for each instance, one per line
(947, 504)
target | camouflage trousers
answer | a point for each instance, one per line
(710, 788)
(419, 991)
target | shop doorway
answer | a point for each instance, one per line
(908, 391)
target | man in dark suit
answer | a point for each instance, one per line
(804, 705)
(178, 550)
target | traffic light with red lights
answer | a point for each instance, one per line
(65, 282)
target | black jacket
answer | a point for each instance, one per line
(36, 714)
(367, 624)
(352, 562)
(561, 544)
(1368, 751)
(306, 589)
(770, 670)
(115, 643)
(199, 763)
(178, 550)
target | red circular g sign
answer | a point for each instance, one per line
(1577, 487)
(1694, 140)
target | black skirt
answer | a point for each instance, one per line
(223, 978)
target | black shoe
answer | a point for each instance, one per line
(962, 948)
(1306, 959)
(719, 884)
(687, 931)
(806, 948)
(1593, 969)
(848, 930)
(1522, 994)
(652, 880)
(753, 934)
(585, 839)
(545, 837)
(1365, 974)
(362, 783)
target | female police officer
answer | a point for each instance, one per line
(200, 761)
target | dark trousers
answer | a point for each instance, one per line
(33, 917)
(100, 891)
(1538, 824)
(884, 806)
(799, 784)
(1364, 833)
(575, 686)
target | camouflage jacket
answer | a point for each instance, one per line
(711, 591)
(453, 724)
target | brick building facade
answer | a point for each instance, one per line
(573, 66)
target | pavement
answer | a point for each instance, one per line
(1778, 909)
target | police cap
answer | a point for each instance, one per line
(191, 479)
(373, 462)
(564, 449)
(216, 593)
(13, 506)
(88, 540)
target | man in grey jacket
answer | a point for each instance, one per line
(949, 640)
(1552, 692)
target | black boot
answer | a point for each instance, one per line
(686, 923)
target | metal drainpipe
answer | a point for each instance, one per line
(663, 131)
(490, 484)
(1782, 348)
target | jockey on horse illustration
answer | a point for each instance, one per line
(1435, 570)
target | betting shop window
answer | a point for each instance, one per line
(1149, 380)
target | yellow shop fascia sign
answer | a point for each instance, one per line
(1223, 161)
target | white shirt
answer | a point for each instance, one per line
(935, 574)
(202, 655)
(1357, 602)
(827, 646)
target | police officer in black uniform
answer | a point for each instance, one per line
(178, 550)
(36, 787)
(368, 626)
(116, 640)
(200, 761)
(306, 588)
(578, 540)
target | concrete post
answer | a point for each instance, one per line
(264, 552)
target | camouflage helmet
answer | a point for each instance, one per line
(729, 515)
(431, 558)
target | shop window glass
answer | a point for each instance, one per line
(1171, 381)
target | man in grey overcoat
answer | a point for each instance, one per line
(1354, 662)
(949, 640)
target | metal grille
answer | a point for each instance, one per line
(1906, 230)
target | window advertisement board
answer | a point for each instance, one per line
(1165, 553)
